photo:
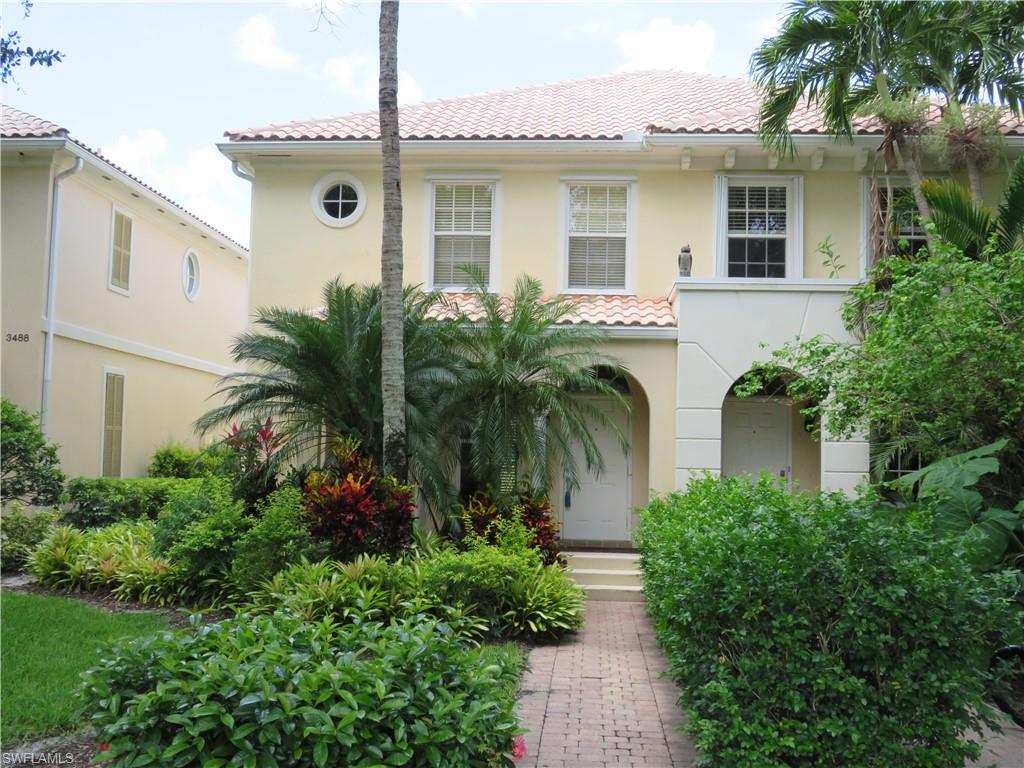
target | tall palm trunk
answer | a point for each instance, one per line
(910, 159)
(392, 311)
(973, 178)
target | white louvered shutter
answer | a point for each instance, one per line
(462, 232)
(113, 424)
(597, 236)
(121, 261)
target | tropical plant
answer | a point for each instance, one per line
(970, 226)
(991, 535)
(394, 441)
(878, 59)
(29, 467)
(940, 368)
(253, 459)
(354, 510)
(481, 517)
(318, 375)
(525, 374)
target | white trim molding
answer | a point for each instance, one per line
(191, 257)
(128, 347)
(794, 225)
(326, 182)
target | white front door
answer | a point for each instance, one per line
(755, 436)
(599, 510)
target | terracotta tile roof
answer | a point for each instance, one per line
(605, 310)
(656, 101)
(15, 124)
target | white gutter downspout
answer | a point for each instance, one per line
(51, 294)
(236, 168)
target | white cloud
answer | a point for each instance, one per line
(202, 184)
(663, 44)
(257, 44)
(357, 75)
(467, 9)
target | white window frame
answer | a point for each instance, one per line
(794, 223)
(632, 200)
(103, 416)
(494, 267)
(114, 211)
(191, 254)
(326, 182)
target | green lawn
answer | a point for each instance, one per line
(45, 643)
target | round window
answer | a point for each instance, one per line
(190, 275)
(338, 199)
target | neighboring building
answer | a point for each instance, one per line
(126, 300)
(595, 187)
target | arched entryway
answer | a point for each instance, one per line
(601, 511)
(767, 432)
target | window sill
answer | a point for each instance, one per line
(121, 291)
(597, 292)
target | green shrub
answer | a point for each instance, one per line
(175, 460)
(202, 551)
(278, 537)
(189, 501)
(29, 467)
(279, 690)
(510, 589)
(810, 626)
(105, 500)
(21, 532)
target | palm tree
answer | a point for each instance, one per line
(849, 57)
(523, 371)
(395, 457)
(969, 226)
(318, 376)
(978, 76)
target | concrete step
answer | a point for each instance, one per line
(617, 594)
(604, 561)
(605, 577)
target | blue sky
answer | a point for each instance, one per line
(155, 85)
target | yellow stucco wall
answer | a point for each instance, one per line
(155, 322)
(156, 310)
(160, 403)
(25, 193)
(294, 254)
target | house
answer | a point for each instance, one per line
(648, 195)
(118, 305)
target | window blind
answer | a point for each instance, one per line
(462, 232)
(597, 236)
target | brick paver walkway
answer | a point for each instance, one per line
(599, 699)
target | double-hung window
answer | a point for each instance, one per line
(121, 252)
(598, 232)
(463, 217)
(896, 223)
(758, 227)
